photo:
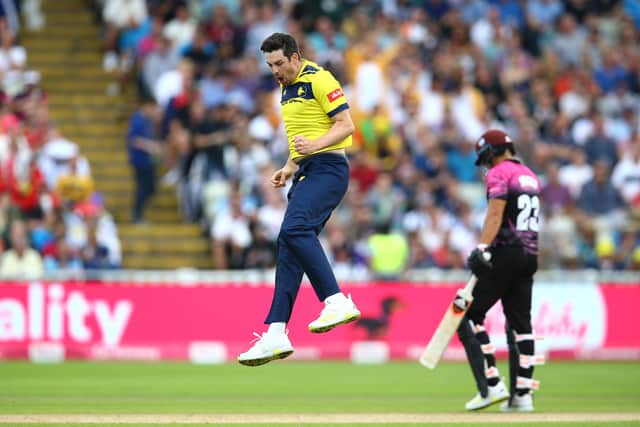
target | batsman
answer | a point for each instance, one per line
(510, 234)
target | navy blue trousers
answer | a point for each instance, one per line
(318, 186)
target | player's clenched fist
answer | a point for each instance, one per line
(303, 145)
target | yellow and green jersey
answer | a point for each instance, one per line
(309, 103)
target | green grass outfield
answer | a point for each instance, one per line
(309, 388)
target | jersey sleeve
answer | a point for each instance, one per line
(497, 184)
(328, 93)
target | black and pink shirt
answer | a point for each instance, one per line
(512, 181)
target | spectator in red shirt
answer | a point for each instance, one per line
(26, 189)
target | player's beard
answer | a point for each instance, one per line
(286, 78)
(284, 81)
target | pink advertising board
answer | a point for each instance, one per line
(215, 322)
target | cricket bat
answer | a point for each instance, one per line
(447, 327)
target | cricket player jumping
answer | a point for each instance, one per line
(319, 126)
(510, 234)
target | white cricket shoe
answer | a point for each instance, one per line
(497, 393)
(517, 403)
(266, 347)
(334, 314)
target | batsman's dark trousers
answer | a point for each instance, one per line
(511, 281)
(318, 186)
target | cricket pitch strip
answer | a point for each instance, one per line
(434, 418)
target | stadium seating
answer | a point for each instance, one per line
(67, 54)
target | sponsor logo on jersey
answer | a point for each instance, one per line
(296, 92)
(334, 94)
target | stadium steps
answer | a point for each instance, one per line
(68, 56)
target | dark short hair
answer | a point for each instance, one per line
(282, 41)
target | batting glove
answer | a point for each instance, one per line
(478, 262)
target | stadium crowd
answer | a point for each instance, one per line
(51, 220)
(424, 80)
